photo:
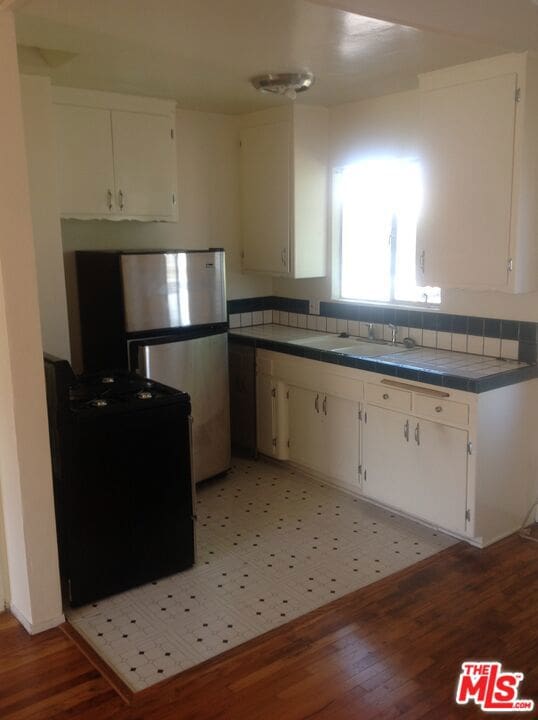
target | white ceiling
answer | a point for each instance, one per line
(202, 52)
(513, 24)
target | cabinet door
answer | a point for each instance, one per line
(265, 197)
(342, 439)
(266, 414)
(144, 164)
(390, 459)
(468, 151)
(85, 166)
(441, 479)
(306, 430)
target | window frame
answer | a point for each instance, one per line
(336, 258)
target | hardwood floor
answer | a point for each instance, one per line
(390, 650)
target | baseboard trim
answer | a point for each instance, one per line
(35, 628)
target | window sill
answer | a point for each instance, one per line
(434, 307)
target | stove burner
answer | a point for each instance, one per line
(115, 390)
(98, 402)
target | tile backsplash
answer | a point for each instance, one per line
(509, 339)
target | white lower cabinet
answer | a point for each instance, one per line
(324, 434)
(306, 430)
(441, 477)
(271, 416)
(341, 440)
(416, 466)
(457, 460)
(266, 415)
(389, 460)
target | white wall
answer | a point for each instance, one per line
(4, 582)
(208, 177)
(25, 467)
(41, 154)
(390, 124)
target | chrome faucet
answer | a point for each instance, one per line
(394, 329)
(371, 331)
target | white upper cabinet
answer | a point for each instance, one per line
(145, 177)
(85, 166)
(284, 191)
(265, 192)
(479, 149)
(116, 156)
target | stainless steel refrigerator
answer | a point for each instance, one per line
(171, 307)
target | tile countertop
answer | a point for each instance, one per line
(459, 371)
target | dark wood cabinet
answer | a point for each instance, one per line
(242, 369)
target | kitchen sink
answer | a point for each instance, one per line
(325, 342)
(348, 345)
(369, 349)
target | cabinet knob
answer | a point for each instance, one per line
(439, 408)
(385, 396)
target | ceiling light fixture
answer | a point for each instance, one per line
(286, 84)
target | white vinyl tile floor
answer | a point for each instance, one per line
(272, 544)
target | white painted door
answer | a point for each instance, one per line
(441, 478)
(468, 152)
(144, 164)
(390, 459)
(341, 431)
(266, 430)
(265, 197)
(306, 430)
(85, 166)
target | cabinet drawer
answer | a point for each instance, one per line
(442, 410)
(389, 397)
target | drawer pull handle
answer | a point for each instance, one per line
(438, 408)
(415, 388)
(385, 396)
(316, 403)
(406, 430)
(417, 434)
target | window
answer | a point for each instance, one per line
(379, 201)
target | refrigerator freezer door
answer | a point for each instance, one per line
(176, 289)
(198, 366)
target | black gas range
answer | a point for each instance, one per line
(122, 480)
